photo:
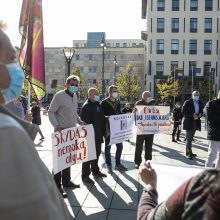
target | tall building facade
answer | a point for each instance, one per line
(94, 39)
(184, 34)
(89, 61)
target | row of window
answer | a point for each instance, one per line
(193, 25)
(192, 64)
(175, 46)
(77, 45)
(175, 6)
(94, 69)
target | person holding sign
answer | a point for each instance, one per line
(146, 139)
(192, 111)
(92, 113)
(111, 106)
(63, 114)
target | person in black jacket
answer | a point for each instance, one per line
(213, 117)
(146, 139)
(126, 109)
(177, 118)
(36, 118)
(111, 106)
(192, 111)
(92, 113)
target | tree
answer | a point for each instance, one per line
(167, 89)
(127, 82)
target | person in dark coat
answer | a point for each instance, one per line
(177, 118)
(92, 113)
(111, 106)
(36, 118)
(146, 139)
(213, 117)
(192, 111)
(127, 109)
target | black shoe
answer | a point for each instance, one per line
(173, 140)
(194, 155)
(109, 168)
(70, 184)
(178, 139)
(137, 166)
(99, 174)
(190, 157)
(187, 153)
(88, 180)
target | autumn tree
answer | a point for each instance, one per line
(127, 83)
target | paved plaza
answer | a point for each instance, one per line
(117, 195)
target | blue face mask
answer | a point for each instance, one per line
(97, 98)
(196, 98)
(73, 89)
(16, 76)
(149, 99)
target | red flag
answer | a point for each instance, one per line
(32, 45)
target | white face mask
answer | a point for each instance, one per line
(115, 95)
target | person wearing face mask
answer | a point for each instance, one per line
(192, 111)
(146, 139)
(34, 195)
(92, 113)
(111, 106)
(177, 118)
(63, 114)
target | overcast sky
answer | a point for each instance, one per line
(67, 20)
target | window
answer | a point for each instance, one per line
(151, 44)
(90, 56)
(81, 69)
(92, 69)
(174, 46)
(117, 45)
(208, 5)
(206, 68)
(175, 25)
(77, 57)
(172, 65)
(175, 5)
(192, 46)
(194, 5)
(193, 25)
(160, 25)
(207, 47)
(124, 44)
(160, 46)
(159, 68)
(192, 64)
(160, 5)
(134, 45)
(208, 25)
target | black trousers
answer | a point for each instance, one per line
(92, 165)
(140, 139)
(64, 175)
(176, 127)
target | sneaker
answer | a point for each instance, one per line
(88, 180)
(99, 174)
(62, 192)
(71, 185)
(109, 168)
(121, 167)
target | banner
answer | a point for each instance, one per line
(73, 145)
(121, 127)
(153, 119)
(32, 45)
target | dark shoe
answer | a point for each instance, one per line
(190, 157)
(62, 192)
(137, 166)
(194, 155)
(178, 139)
(88, 180)
(99, 174)
(109, 168)
(121, 167)
(187, 153)
(71, 185)
(42, 138)
(173, 140)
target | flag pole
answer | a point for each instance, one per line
(192, 77)
(29, 97)
(174, 75)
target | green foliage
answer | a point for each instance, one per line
(25, 90)
(167, 89)
(127, 83)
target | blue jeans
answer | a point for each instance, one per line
(119, 148)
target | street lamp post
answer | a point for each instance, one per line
(115, 62)
(103, 45)
(68, 54)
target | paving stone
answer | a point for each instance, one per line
(122, 214)
(92, 214)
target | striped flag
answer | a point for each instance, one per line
(32, 45)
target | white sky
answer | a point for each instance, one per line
(67, 20)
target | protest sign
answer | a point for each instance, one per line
(73, 145)
(121, 127)
(153, 119)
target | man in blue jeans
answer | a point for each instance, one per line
(111, 106)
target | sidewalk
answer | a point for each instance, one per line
(116, 196)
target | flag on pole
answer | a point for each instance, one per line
(32, 45)
(196, 70)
